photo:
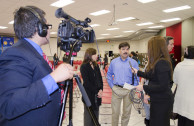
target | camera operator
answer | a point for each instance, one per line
(29, 93)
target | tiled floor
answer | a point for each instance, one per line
(105, 115)
(136, 119)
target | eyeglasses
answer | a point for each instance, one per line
(49, 26)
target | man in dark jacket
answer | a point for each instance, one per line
(29, 94)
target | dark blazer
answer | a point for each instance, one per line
(159, 81)
(24, 100)
(92, 82)
(160, 93)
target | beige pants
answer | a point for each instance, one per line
(118, 95)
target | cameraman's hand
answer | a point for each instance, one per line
(62, 72)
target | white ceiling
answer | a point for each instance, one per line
(80, 9)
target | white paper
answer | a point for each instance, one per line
(128, 86)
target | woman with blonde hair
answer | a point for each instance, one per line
(92, 82)
(159, 74)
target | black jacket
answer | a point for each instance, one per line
(159, 81)
(92, 82)
(24, 100)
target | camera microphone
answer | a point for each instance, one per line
(59, 13)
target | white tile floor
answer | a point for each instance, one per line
(104, 117)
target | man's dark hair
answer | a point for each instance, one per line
(168, 38)
(133, 53)
(25, 22)
(124, 44)
(190, 54)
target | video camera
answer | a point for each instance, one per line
(73, 32)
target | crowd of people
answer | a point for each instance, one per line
(30, 95)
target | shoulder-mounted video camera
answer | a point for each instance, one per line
(73, 32)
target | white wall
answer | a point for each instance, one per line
(187, 33)
(162, 32)
(140, 46)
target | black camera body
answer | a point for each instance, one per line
(71, 30)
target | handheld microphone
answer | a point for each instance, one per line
(134, 73)
(130, 65)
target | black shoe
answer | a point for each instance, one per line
(147, 122)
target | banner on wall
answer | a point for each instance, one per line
(6, 43)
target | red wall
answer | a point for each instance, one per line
(176, 32)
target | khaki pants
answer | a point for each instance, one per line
(118, 95)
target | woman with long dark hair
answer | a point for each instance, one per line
(159, 74)
(92, 82)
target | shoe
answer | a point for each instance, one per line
(147, 122)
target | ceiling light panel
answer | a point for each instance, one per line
(112, 29)
(117, 36)
(159, 26)
(169, 20)
(146, 1)
(2, 27)
(126, 19)
(101, 12)
(128, 31)
(142, 24)
(177, 9)
(62, 3)
(94, 25)
(105, 34)
(11, 22)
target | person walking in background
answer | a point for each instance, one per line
(183, 77)
(105, 60)
(93, 84)
(65, 58)
(159, 74)
(55, 59)
(29, 94)
(133, 56)
(119, 73)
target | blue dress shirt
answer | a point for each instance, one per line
(48, 81)
(120, 72)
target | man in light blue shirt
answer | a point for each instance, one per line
(118, 74)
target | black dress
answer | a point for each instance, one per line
(92, 82)
(161, 99)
